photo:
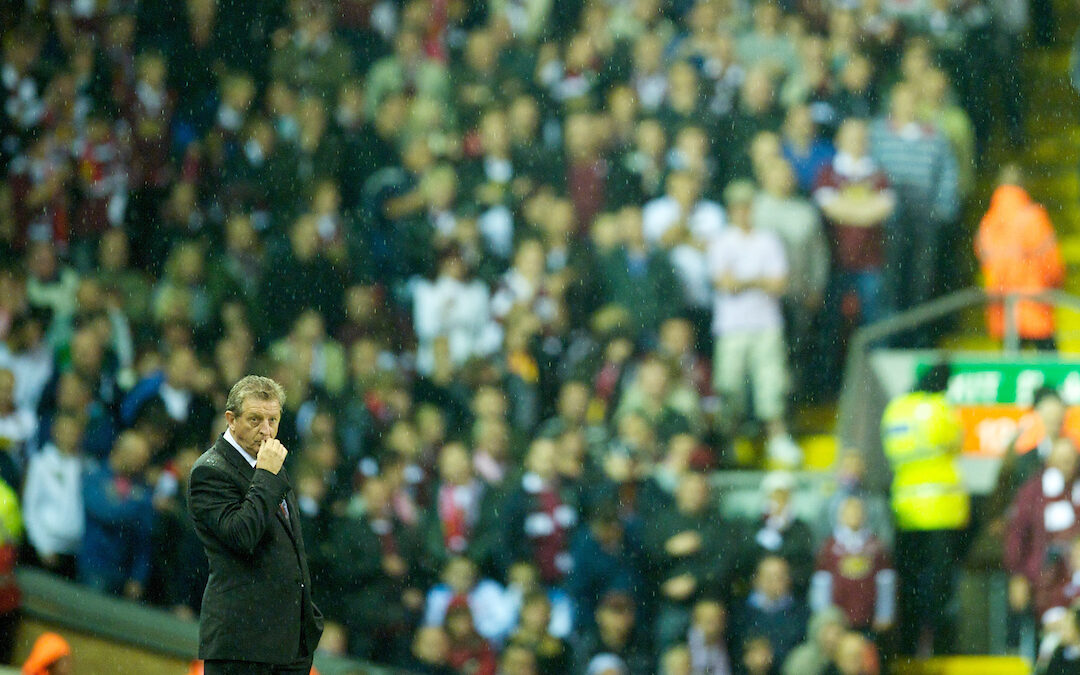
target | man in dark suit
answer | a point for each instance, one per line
(257, 614)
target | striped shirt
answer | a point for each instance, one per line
(920, 167)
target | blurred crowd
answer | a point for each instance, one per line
(526, 270)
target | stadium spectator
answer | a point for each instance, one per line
(921, 169)
(750, 272)
(779, 532)
(855, 198)
(758, 657)
(1063, 660)
(552, 654)
(855, 655)
(854, 573)
(676, 661)
(523, 580)
(606, 558)
(186, 570)
(610, 642)
(823, 633)
(1058, 588)
(18, 427)
(468, 652)
(53, 497)
(798, 224)
(176, 387)
(538, 519)
(804, 150)
(29, 358)
(372, 577)
(693, 556)
(771, 612)
(518, 660)
(115, 556)
(1043, 520)
(430, 652)
(1025, 456)
(1018, 253)
(457, 307)
(483, 598)
(852, 480)
(706, 639)
(685, 225)
(657, 397)
(634, 274)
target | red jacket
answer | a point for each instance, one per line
(1058, 589)
(854, 565)
(1045, 513)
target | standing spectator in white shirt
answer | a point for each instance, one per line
(52, 498)
(457, 307)
(750, 272)
(777, 208)
(685, 224)
(29, 357)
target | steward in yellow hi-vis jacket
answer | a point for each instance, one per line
(921, 436)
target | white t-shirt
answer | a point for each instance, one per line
(459, 310)
(690, 262)
(660, 214)
(747, 256)
(53, 502)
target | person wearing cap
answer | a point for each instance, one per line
(779, 532)
(750, 271)
(50, 655)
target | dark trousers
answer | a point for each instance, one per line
(301, 666)
(924, 563)
(911, 251)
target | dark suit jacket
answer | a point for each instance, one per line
(257, 604)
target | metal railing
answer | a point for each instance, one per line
(857, 388)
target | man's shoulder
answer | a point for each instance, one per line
(213, 458)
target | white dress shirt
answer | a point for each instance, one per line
(249, 459)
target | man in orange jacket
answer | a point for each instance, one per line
(1018, 252)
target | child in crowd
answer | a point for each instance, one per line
(855, 573)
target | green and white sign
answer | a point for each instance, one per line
(985, 382)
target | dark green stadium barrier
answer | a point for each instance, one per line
(54, 601)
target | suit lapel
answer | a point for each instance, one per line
(246, 472)
(289, 523)
(233, 457)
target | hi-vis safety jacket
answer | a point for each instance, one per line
(1018, 252)
(921, 436)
